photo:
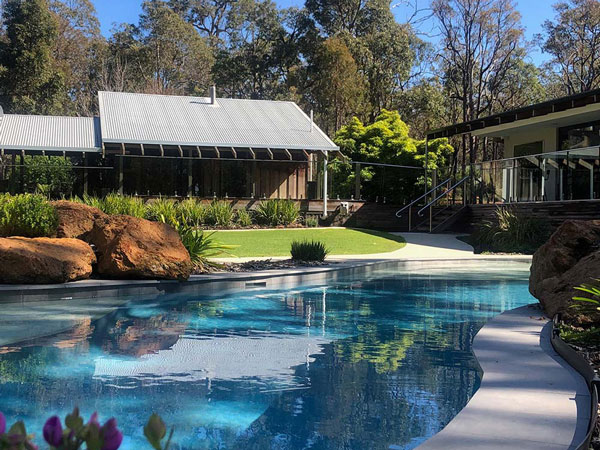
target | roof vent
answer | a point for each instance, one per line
(213, 95)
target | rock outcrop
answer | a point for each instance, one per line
(75, 220)
(129, 247)
(44, 260)
(571, 257)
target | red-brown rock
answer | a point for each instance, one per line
(75, 220)
(129, 247)
(44, 260)
(568, 259)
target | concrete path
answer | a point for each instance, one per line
(529, 398)
(419, 246)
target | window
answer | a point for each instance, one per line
(579, 136)
(531, 148)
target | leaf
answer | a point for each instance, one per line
(73, 421)
(18, 428)
(155, 430)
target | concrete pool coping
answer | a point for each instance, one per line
(222, 282)
(529, 397)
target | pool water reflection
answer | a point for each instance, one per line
(360, 364)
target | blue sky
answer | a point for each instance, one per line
(533, 12)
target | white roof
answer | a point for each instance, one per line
(178, 120)
(25, 132)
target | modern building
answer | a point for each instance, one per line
(177, 146)
(551, 151)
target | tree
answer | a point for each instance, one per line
(482, 41)
(335, 86)
(573, 41)
(30, 81)
(76, 52)
(176, 58)
(258, 59)
(386, 141)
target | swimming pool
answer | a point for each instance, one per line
(362, 363)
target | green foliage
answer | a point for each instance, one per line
(123, 204)
(28, 215)
(308, 251)
(243, 217)
(578, 336)
(162, 207)
(586, 303)
(29, 80)
(47, 175)
(311, 222)
(387, 141)
(200, 245)
(274, 212)
(219, 213)
(511, 232)
(155, 431)
(192, 212)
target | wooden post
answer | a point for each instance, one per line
(22, 172)
(190, 174)
(120, 183)
(357, 181)
(85, 173)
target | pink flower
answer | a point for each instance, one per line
(2, 423)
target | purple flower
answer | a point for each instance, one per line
(111, 436)
(53, 432)
(2, 423)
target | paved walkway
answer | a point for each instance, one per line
(418, 246)
(529, 398)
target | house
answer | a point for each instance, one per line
(551, 163)
(169, 145)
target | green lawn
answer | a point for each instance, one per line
(344, 241)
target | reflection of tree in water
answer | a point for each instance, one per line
(367, 394)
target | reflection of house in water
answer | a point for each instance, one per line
(268, 357)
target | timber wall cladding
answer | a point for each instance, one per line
(243, 178)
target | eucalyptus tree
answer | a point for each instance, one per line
(482, 44)
(176, 58)
(573, 41)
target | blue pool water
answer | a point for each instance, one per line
(360, 364)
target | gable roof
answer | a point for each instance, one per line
(29, 132)
(195, 121)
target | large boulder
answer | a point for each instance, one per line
(44, 260)
(75, 220)
(129, 247)
(568, 259)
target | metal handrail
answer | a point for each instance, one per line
(432, 202)
(400, 211)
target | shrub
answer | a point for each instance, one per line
(123, 204)
(243, 217)
(51, 175)
(199, 244)
(219, 213)
(28, 215)
(162, 207)
(311, 222)
(308, 251)
(90, 201)
(288, 212)
(275, 212)
(191, 212)
(511, 232)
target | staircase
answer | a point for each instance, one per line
(440, 213)
(443, 218)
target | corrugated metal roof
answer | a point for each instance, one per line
(177, 120)
(23, 132)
